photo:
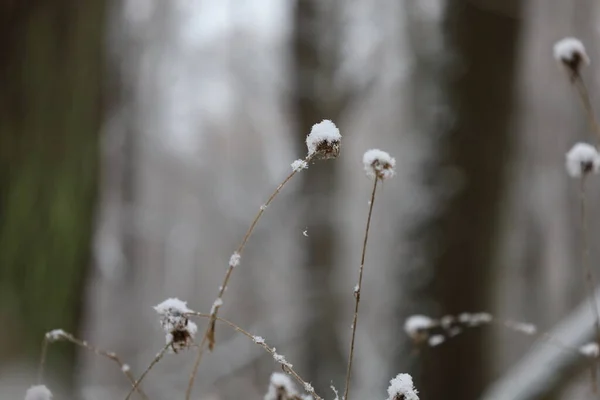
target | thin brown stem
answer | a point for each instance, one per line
(358, 289)
(271, 350)
(587, 274)
(62, 335)
(155, 361)
(209, 334)
(586, 102)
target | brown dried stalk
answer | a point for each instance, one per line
(358, 289)
(62, 335)
(155, 361)
(286, 366)
(586, 102)
(209, 335)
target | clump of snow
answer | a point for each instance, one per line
(582, 160)
(436, 340)
(324, 140)
(258, 339)
(216, 304)
(475, 319)
(590, 350)
(522, 327)
(280, 358)
(299, 165)
(416, 326)
(379, 164)
(125, 368)
(180, 331)
(55, 335)
(571, 53)
(280, 387)
(402, 385)
(40, 392)
(235, 258)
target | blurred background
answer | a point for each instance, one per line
(139, 137)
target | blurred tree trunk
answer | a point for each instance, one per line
(475, 150)
(50, 103)
(314, 99)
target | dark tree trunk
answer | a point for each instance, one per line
(484, 36)
(50, 107)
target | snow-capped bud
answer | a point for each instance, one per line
(402, 388)
(571, 53)
(379, 164)
(417, 327)
(581, 160)
(324, 140)
(180, 331)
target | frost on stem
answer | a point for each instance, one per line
(590, 350)
(180, 331)
(56, 334)
(324, 140)
(402, 388)
(379, 164)
(571, 53)
(40, 392)
(299, 165)
(235, 258)
(583, 159)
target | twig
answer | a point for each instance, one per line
(62, 335)
(209, 334)
(358, 289)
(271, 350)
(588, 276)
(156, 359)
(586, 102)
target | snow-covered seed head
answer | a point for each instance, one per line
(281, 387)
(39, 392)
(180, 331)
(324, 140)
(55, 334)
(571, 53)
(417, 327)
(402, 388)
(583, 159)
(379, 164)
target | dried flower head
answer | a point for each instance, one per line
(39, 392)
(571, 53)
(281, 387)
(379, 164)
(417, 327)
(581, 160)
(180, 331)
(324, 140)
(402, 388)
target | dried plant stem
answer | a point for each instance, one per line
(586, 102)
(209, 334)
(265, 346)
(99, 352)
(155, 361)
(587, 274)
(358, 289)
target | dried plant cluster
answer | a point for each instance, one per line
(324, 143)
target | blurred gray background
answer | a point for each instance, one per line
(139, 137)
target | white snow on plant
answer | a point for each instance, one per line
(379, 164)
(402, 385)
(522, 327)
(475, 319)
(416, 324)
(258, 339)
(569, 50)
(590, 350)
(235, 258)
(216, 304)
(125, 368)
(40, 392)
(180, 331)
(581, 160)
(436, 340)
(299, 165)
(55, 335)
(280, 383)
(325, 133)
